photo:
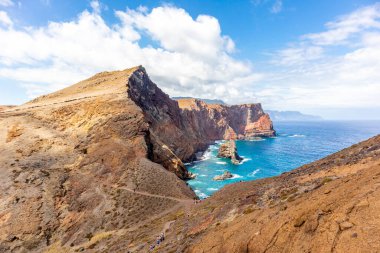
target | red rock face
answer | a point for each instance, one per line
(180, 129)
(216, 122)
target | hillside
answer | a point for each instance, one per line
(103, 157)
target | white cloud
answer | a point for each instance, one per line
(311, 73)
(298, 55)
(345, 27)
(191, 56)
(277, 6)
(5, 20)
(6, 3)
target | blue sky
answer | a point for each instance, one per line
(317, 57)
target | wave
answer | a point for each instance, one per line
(245, 159)
(297, 136)
(221, 162)
(203, 175)
(206, 155)
(253, 173)
(212, 189)
(257, 139)
(201, 194)
(234, 176)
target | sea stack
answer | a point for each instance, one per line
(224, 176)
(229, 150)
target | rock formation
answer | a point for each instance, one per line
(102, 156)
(224, 176)
(229, 150)
(217, 122)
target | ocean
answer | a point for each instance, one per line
(296, 144)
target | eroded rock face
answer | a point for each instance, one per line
(218, 122)
(190, 125)
(229, 150)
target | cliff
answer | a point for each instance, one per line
(217, 122)
(100, 156)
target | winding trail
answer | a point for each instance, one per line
(154, 195)
(184, 203)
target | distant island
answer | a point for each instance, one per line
(291, 116)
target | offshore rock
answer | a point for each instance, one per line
(224, 176)
(229, 150)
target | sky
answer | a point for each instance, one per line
(318, 57)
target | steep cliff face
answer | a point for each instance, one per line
(189, 125)
(216, 122)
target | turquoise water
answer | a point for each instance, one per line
(296, 143)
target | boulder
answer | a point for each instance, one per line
(224, 176)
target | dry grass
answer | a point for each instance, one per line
(14, 132)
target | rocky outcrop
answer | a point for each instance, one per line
(229, 150)
(224, 176)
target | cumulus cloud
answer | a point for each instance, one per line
(5, 20)
(6, 3)
(183, 55)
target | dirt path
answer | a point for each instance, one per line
(155, 195)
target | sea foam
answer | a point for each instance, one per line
(253, 173)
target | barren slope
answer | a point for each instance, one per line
(98, 160)
(64, 158)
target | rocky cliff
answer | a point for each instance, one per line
(216, 122)
(229, 150)
(100, 157)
